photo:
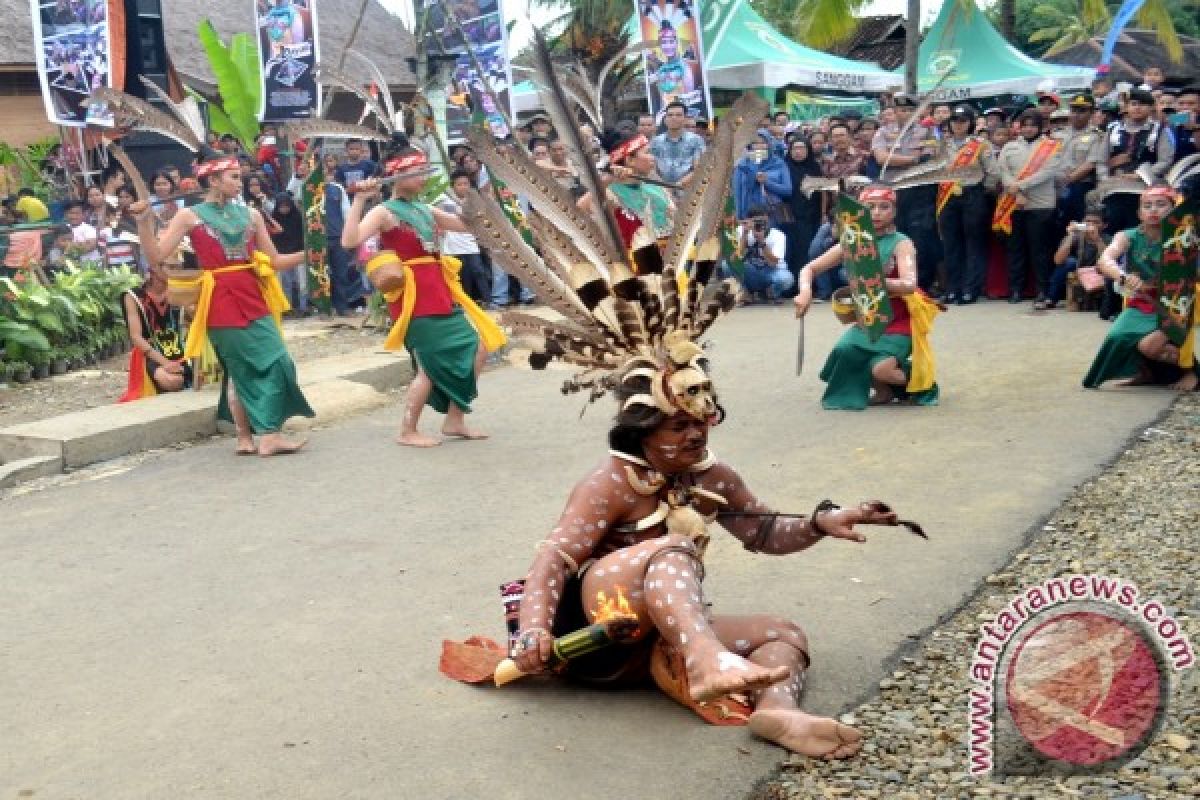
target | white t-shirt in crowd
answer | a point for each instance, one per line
(776, 242)
(82, 233)
(453, 242)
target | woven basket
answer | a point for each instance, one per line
(386, 272)
(843, 306)
(182, 295)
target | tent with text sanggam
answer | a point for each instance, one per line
(742, 51)
(980, 62)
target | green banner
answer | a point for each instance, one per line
(864, 270)
(1177, 273)
(804, 107)
(313, 203)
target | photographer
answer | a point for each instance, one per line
(1081, 247)
(761, 180)
(761, 249)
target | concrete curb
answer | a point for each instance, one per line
(335, 386)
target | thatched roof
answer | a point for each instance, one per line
(1135, 50)
(879, 39)
(16, 34)
(381, 37)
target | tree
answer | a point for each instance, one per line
(814, 23)
(1067, 24)
(237, 69)
(1072, 18)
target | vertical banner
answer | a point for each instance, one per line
(72, 43)
(288, 53)
(450, 27)
(675, 66)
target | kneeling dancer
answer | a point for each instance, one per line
(1138, 349)
(429, 308)
(898, 364)
(240, 306)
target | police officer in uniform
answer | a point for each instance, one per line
(1083, 159)
(915, 213)
(963, 219)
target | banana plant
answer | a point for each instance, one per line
(237, 70)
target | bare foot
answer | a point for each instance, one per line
(1169, 354)
(275, 445)
(414, 439)
(818, 737)
(246, 447)
(1187, 383)
(723, 672)
(1143, 377)
(881, 394)
(464, 433)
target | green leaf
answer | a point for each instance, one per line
(231, 84)
(26, 336)
(48, 321)
(244, 52)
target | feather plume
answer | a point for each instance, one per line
(328, 129)
(559, 252)
(494, 230)
(936, 171)
(670, 298)
(635, 48)
(917, 115)
(576, 86)
(136, 114)
(523, 322)
(381, 84)
(554, 202)
(135, 174)
(719, 302)
(812, 183)
(334, 76)
(187, 111)
(1122, 184)
(555, 103)
(1181, 170)
(703, 202)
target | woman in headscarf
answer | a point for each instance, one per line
(805, 208)
(289, 238)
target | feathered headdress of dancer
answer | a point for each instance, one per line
(634, 332)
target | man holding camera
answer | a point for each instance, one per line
(1081, 247)
(761, 249)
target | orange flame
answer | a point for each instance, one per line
(608, 608)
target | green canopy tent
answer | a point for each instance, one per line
(742, 51)
(980, 62)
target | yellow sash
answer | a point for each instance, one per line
(921, 311)
(489, 332)
(268, 284)
(1007, 203)
(965, 157)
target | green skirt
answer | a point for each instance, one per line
(847, 371)
(1119, 356)
(444, 347)
(263, 374)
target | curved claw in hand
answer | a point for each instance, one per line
(881, 513)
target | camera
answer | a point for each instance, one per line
(1079, 227)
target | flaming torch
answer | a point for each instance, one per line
(614, 623)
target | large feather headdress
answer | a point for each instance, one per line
(619, 326)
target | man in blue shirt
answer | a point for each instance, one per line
(676, 150)
(357, 167)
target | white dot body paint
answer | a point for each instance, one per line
(683, 638)
(680, 585)
(772, 634)
(599, 573)
(727, 661)
(742, 644)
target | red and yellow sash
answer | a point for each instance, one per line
(268, 283)
(489, 332)
(965, 157)
(1007, 204)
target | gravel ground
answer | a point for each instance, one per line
(307, 339)
(1137, 520)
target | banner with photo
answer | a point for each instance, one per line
(288, 53)
(675, 66)
(805, 107)
(73, 49)
(450, 26)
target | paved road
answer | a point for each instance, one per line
(200, 625)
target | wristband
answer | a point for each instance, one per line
(823, 506)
